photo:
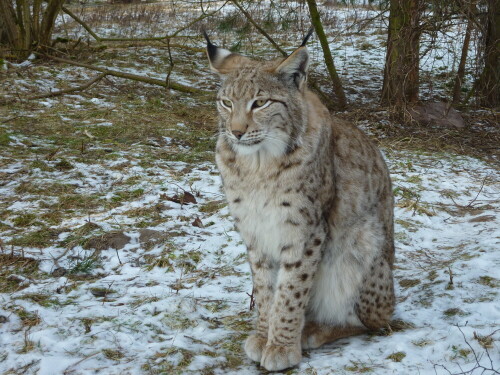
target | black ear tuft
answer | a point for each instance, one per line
(211, 48)
(309, 33)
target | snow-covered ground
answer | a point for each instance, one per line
(118, 254)
(174, 296)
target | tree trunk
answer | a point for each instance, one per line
(48, 21)
(401, 72)
(26, 27)
(463, 58)
(330, 66)
(10, 30)
(489, 81)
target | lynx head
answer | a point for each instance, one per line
(261, 103)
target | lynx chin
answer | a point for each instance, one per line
(311, 197)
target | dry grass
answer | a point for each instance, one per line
(480, 139)
(15, 272)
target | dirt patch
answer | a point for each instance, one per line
(113, 240)
(150, 235)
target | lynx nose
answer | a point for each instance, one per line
(238, 133)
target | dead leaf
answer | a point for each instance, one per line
(197, 223)
(185, 198)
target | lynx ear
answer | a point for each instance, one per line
(294, 68)
(221, 60)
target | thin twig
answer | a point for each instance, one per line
(157, 38)
(81, 22)
(479, 192)
(63, 92)
(260, 29)
(134, 77)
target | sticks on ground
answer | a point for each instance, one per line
(134, 77)
(53, 94)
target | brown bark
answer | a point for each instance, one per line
(463, 58)
(401, 72)
(489, 82)
(48, 21)
(9, 25)
(27, 26)
(330, 66)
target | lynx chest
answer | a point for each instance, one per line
(262, 215)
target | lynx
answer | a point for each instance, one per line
(311, 198)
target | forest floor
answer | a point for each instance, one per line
(118, 254)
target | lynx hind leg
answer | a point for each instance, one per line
(314, 334)
(376, 299)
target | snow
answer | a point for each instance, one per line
(184, 306)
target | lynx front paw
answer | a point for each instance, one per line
(254, 345)
(277, 357)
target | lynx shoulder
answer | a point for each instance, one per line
(311, 197)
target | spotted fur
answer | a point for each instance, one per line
(312, 200)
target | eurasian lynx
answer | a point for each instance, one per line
(312, 200)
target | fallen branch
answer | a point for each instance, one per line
(61, 92)
(81, 22)
(134, 77)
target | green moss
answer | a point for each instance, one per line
(408, 283)
(453, 312)
(43, 166)
(178, 321)
(41, 299)
(24, 220)
(4, 138)
(488, 281)
(358, 367)
(113, 354)
(396, 357)
(460, 352)
(40, 238)
(122, 196)
(422, 342)
(173, 361)
(63, 165)
(212, 206)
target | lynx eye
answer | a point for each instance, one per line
(226, 103)
(259, 103)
